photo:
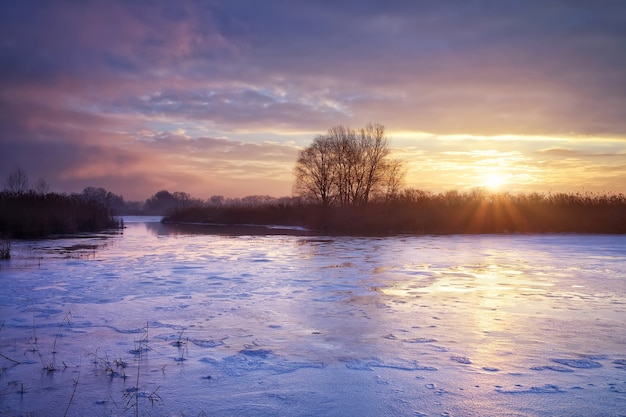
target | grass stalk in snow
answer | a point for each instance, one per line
(49, 366)
(68, 320)
(133, 393)
(13, 361)
(75, 382)
(182, 345)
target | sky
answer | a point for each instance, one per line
(217, 97)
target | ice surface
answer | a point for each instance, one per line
(578, 363)
(176, 323)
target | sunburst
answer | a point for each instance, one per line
(494, 181)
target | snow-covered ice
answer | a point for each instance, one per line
(181, 323)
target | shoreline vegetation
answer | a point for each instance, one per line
(420, 212)
(345, 183)
(32, 215)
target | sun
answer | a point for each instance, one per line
(494, 181)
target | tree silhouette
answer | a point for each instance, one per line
(17, 181)
(347, 167)
(42, 187)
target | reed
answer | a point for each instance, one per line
(33, 215)
(419, 212)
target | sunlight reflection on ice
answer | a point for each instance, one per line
(425, 325)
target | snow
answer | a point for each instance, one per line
(177, 323)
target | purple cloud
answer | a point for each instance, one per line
(85, 77)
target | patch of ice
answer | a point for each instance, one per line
(257, 353)
(555, 368)
(544, 389)
(461, 359)
(419, 340)
(439, 348)
(369, 364)
(265, 360)
(578, 363)
(207, 343)
(621, 363)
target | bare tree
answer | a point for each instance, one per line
(347, 167)
(17, 181)
(392, 181)
(42, 187)
(315, 172)
(216, 200)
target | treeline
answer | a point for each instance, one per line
(164, 201)
(18, 183)
(33, 215)
(416, 211)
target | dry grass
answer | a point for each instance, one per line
(419, 212)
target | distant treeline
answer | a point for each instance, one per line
(416, 211)
(164, 201)
(34, 215)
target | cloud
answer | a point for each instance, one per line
(240, 84)
(480, 67)
(572, 153)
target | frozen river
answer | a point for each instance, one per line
(155, 322)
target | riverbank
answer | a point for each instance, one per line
(34, 215)
(423, 213)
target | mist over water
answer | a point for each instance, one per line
(528, 325)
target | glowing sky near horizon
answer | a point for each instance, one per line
(217, 97)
